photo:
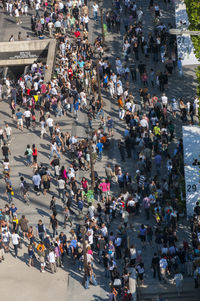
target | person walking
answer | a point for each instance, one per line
(89, 276)
(54, 225)
(23, 223)
(52, 261)
(41, 230)
(155, 265)
(19, 117)
(15, 241)
(54, 148)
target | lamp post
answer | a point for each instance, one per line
(83, 232)
(99, 82)
(100, 2)
(89, 134)
(91, 165)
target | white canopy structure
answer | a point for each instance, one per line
(191, 146)
(185, 46)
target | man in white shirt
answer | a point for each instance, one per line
(37, 9)
(83, 99)
(36, 182)
(95, 11)
(27, 115)
(61, 188)
(52, 261)
(18, 21)
(85, 21)
(119, 90)
(8, 132)
(164, 100)
(49, 123)
(163, 267)
(15, 241)
(104, 230)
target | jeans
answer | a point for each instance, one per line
(95, 15)
(52, 151)
(28, 158)
(61, 193)
(51, 130)
(90, 123)
(28, 122)
(158, 169)
(100, 112)
(54, 232)
(8, 137)
(37, 13)
(107, 274)
(41, 236)
(16, 249)
(100, 156)
(88, 280)
(80, 265)
(9, 196)
(59, 112)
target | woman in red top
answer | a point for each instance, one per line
(34, 154)
(84, 184)
(70, 73)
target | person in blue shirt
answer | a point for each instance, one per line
(76, 108)
(110, 126)
(100, 149)
(19, 116)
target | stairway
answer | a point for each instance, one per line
(152, 289)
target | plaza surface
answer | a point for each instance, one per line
(17, 280)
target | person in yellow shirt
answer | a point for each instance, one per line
(156, 130)
(15, 223)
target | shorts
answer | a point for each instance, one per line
(20, 122)
(104, 194)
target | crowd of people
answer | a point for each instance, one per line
(150, 193)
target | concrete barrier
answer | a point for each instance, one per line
(26, 52)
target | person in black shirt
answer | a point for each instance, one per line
(54, 225)
(155, 265)
(5, 151)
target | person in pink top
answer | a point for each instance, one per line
(105, 189)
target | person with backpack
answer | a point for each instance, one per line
(28, 153)
(24, 190)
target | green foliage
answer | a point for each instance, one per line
(193, 11)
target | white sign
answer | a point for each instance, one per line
(191, 143)
(192, 187)
(191, 148)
